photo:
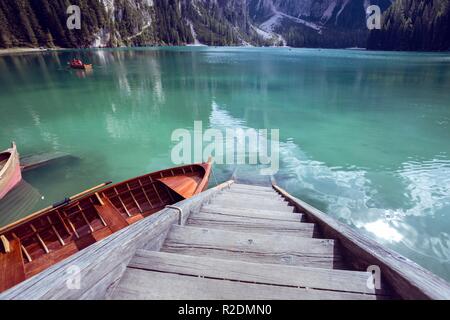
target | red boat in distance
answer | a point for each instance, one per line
(78, 64)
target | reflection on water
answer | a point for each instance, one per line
(364, 135)
(348, 194)
(384, 230)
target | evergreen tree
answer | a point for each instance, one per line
(5, 36)
(414, 25)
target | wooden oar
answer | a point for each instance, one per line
(55, 205)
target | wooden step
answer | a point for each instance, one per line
(252, 204)
(139, 284)
(267, 195)
(246, 224)
(246, 197)
(253, 247)
(254, 213)
(340, 281)
(251, 192)
(231, 193)
(238, 186)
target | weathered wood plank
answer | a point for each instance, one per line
(148, 285)
(254, 213)
(250, 187)
(253, 247)
(313, 278)
(253, 193)
(106, 284)
(29, 162)
(245, 224)
(407, 279)
(229, 202)
(246, 196)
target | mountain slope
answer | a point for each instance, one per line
(301, 23)
(314, 23)
(414, 25)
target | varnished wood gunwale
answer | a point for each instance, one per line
(407, 279)
(11, 265)
(54, 233)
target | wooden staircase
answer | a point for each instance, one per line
(246, 242)
(235, 241)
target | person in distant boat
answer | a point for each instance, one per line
(78, 64)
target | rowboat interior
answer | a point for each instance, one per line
(3, 159)
(37, 242)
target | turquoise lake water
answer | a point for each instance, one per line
(364, 136)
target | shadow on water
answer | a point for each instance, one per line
(18, 203)
(25, 198)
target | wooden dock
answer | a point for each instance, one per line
(246, 243)
(34, 161)
(236, 241)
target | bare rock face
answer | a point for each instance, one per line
(322, 12)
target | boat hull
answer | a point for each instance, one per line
(10, 174)
(52, 235)
(81, 67)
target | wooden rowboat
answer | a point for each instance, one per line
(82, 67)
(79, 65)
(10, 174)
(48, 236)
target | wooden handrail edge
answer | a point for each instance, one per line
(408, 279)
